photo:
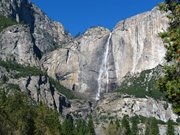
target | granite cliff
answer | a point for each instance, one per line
(96, 62)
(103, 56)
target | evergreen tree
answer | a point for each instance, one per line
(170, 128)
(20, 115)
(117, 123)
(46, 121)
(151, 127)
(134, 128)
(90, 125)
(67, 126)
(81, 127)
(125, 126)
(170, 82)
(154, 129)
(147, 124)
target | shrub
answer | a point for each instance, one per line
(142, 85)
(6, 22)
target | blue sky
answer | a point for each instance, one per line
(79, 15)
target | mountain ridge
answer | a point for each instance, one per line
(92, 65)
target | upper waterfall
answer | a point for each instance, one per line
(103, 78)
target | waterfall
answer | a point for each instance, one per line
(103, 78)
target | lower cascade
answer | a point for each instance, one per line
(103, 78)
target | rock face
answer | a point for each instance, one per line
(17, 45)
(47, 35)
(92, 64)
(100, 58)
(117, 106)
(136, 45)
(40, 89)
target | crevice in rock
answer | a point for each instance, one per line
(28, 82)
(37, 51)
(15, 45)
(67, 55)
(63, 103)
(74, 87)
(124, 26)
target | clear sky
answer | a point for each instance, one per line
(79, 15)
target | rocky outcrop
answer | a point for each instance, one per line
(63, 65)
(47, 35)
(40, 89)
(17, 45)
(116, 106)
(133, 46)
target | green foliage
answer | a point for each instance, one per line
(162, 6)
(14, 87)
(22, 71)
(170, 128)
(20, 115)
(125, 126)
(6, 22)
(68, 93)
(81, 127)
(4, 79)
(90, 125)
(152, 127)
(142, 85)
(47, 121)
(170, 82)
(134, 128)
(68, 126)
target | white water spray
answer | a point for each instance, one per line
(103, 78)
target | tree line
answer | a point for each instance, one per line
(129, 126)
(20, 115)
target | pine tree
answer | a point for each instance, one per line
(67, 126)
(90, 125)
(81, 127)
(170, 128)
(151, 127)
(154, 129)
(134, 128)
(170, 82)
(117, 123)
(147, 124)
(125, 126)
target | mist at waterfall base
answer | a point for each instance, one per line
(77, 16)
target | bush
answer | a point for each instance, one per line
(22, 71)
(6, 22)
(19, 114)
(4, 79)
(142, 85)
(170, 128)
(68, 93)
